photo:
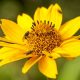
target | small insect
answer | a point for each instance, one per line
(26, 34)
(60, 11)
(29, 52)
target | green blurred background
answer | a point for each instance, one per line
(68, 70)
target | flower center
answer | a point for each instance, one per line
(43, 37)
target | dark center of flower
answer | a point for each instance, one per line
(43, 37)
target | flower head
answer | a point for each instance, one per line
(42, 39)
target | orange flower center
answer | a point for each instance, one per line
(43, 37)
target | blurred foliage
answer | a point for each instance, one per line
(68, 70)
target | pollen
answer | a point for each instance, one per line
(43, 37)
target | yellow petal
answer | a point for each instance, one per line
(74, 38)
(72, 48)
(4, 39)
(15, 46)
(40, 14)
(37, 15)
(49, 12)
(54, 15)
(69, 49)
(30, 63)
(6, 52)
(25, 22)
(43, 14)
(14, 56)
(48, 67)
(12, 30)
(70, 28)
(55, 55)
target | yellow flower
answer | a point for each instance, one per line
(42, 39)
